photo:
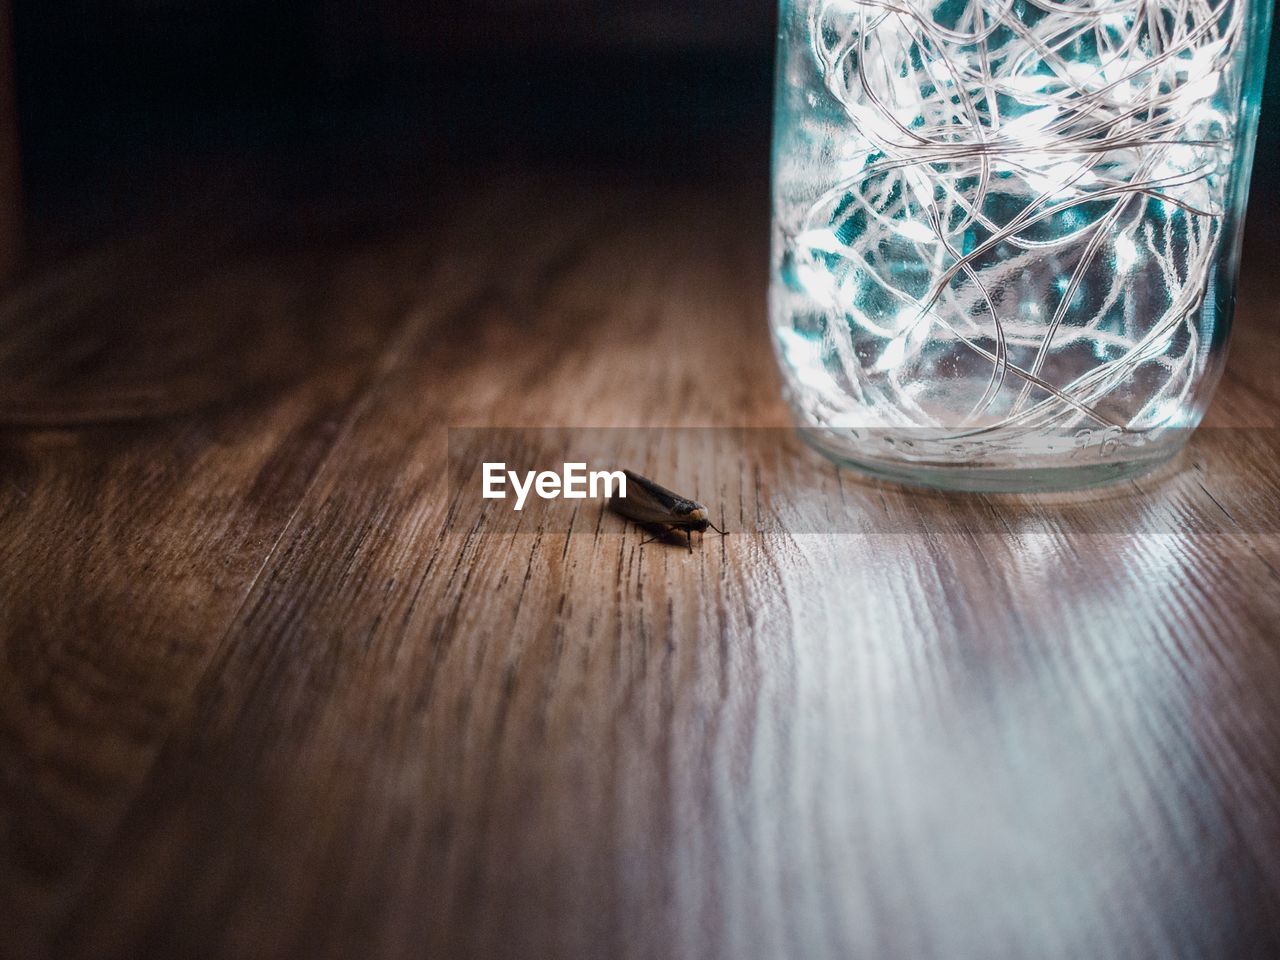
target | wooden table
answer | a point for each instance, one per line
(258, 699)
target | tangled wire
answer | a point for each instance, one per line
(1026, 176)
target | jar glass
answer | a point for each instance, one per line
(1006, 233)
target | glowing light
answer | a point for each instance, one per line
(1168, 412)
(823, 240)
(893, 355)
(914, 230)
(1193, 93)
(817, 282)
(1029, 128)
(1126, 252)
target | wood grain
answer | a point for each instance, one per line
(259, 698)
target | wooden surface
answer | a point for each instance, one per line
(257, 699)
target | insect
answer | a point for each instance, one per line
(648, 504)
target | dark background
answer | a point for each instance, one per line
(129, 106)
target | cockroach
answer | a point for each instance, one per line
(651, 505)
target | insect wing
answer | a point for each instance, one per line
(678, 506)
(643, 505)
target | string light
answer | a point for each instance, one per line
(1032, 160)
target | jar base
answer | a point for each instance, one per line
(1040, 478)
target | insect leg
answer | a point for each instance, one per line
(662, 532)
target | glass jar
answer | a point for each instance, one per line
(1006, 232)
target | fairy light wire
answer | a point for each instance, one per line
(1088, 132)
